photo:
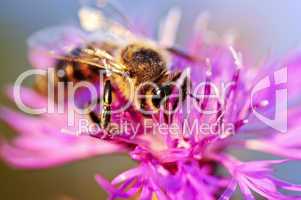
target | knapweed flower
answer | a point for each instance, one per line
(184, 158)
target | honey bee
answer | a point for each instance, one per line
(131, 59)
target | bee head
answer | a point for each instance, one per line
(144, 63)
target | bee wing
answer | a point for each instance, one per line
(97, 58)
(54, 40)
(93, 14)
(56, 43)
(105, 21)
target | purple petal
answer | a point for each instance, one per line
(43, 152)
(29, 97)
(127, 175)
(266, 188)
(40, 144)
(273, 148)
(109, 188)
(229, 191)
(246, 192)
(285, 185)
(146, 194)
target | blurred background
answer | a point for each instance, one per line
(266, 27)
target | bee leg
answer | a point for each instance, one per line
(162, 94)
(184, 85)
(94, 117)
(166, 91)
(105, 117)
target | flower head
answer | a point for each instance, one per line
(180, 159)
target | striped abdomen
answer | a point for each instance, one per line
(72, 71)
